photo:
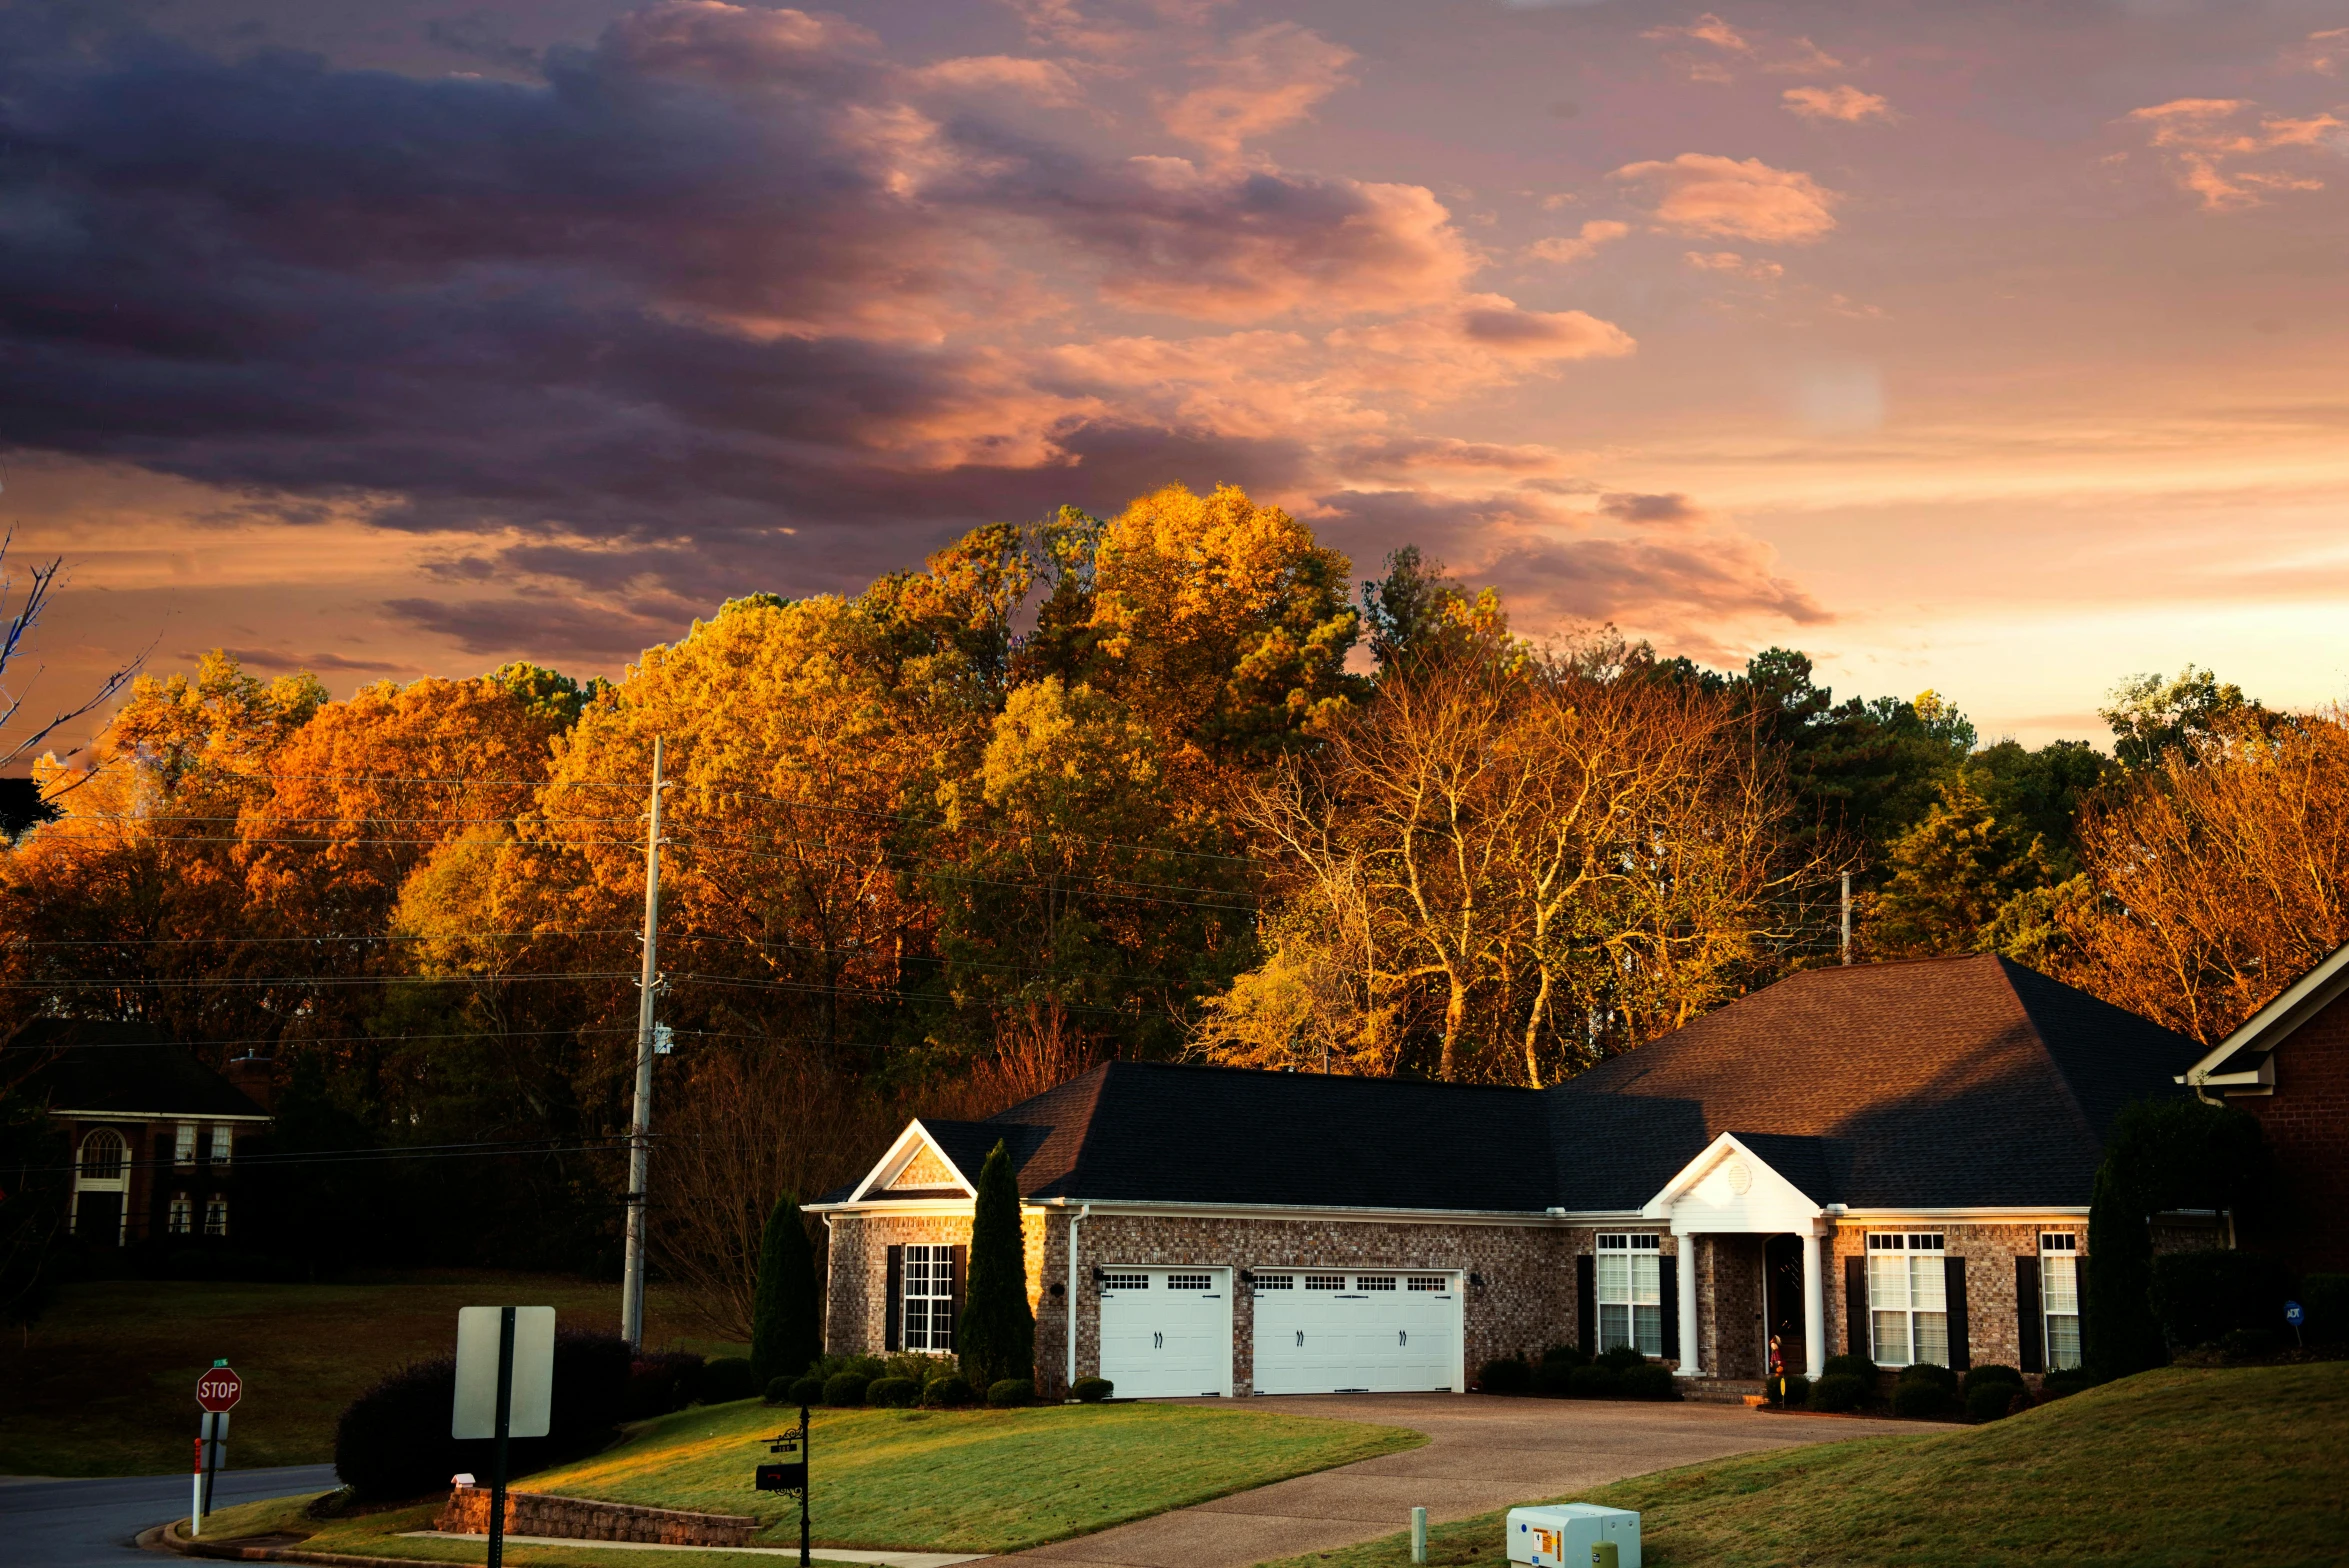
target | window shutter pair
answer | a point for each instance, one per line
(1668, 1293)
(1961, 1343)
(1586, 1301)
(1855, 1306)
(893, 1315)
(2028, 1331)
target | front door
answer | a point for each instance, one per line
(97, 1218)
(1782, 1280)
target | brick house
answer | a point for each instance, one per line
(1896, 1157)
(153, 1132)
(2288, 1065)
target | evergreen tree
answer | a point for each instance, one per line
(786, 1331)
(997, 1336)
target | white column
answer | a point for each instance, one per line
(1688, 1311)
(1814, 1306)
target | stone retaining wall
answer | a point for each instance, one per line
(578, 1519)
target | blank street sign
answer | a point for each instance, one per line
(532, 1399)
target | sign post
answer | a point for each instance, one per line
(505, 1389)
(217, 1393)
(2294, 1316)
(789, 1473)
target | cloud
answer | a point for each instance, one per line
(1702, 193)
(2323, 52)
(1717, 45)
(1706, 29)
(1730, 261)
(276, 659)
(1045, 83)
(1266, 79)
(1627, 506)
(1583, 245)
(1844, 103)
(2203, 141)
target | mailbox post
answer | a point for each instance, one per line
(789, 1473)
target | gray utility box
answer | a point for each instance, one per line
(1562, 1535)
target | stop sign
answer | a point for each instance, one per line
(219, 1390)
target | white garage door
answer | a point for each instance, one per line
(1321, 1333)
(1166, 1333)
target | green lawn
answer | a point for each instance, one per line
(105, 1384)
(945, 1480)
(2161, 1470)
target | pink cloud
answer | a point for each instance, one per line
(1706, 29)
(1043, 82)
(1730, 261)
(1704, 193)
(2324, 52)
(1267, 79)
(1846, 103)
(709, 41)
(2203, 141)
(1787, 57)
(1581, 246)
(1626, 506)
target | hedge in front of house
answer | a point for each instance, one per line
(1794, 1391)
(1851, 1366)
(393, 1441)
(1654, 1380)
(1008, 1392)
(724, 1380)
(892, 1393)
(1595, 1382)
(660, 1381)
(954, 1391)
(1092, 1390)
(1991, 1401)
(846, 1390)
(1839, 1391)
(1505, 1376)
(2198, 1298)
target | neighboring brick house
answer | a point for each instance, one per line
(1893, 1156)
(153, 1133)
(2289, 1066)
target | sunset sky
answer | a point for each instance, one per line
(1998, 349)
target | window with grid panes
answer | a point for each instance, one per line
(1631, 1292)
(2059, 1298)
(216, 1216)
(929, 1298)
(1908, 1299)
(183, 1214)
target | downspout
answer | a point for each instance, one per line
(1069, 1333)
(827, 1328)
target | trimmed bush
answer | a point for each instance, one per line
(1921, 1400)
(1992, 1373)
(1004, 1393)
(1596, 1382)
(948, 1393)
(2247, 1344)
(846, 1390)
(807, 1391)
(1566, 1356)
(393, 1441)
(1506, 1376)
(663, 1381)
(1838, 1391)
(1990, 1401)
(779, 1391)
(2070, 1381)
(2199, 1297)
(1652, 1381)
(724, 1380)
(1931, 1373)
(892, 1393)
(1794, 1393)
(1851, 1366)
(1092, 1390)
(1554, 1378)
(1622, 1358)
(2325, 1300)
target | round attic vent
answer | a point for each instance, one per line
(1741, 1177)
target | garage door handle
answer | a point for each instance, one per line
(1300, 1339)
(1402, 1336)
(1158, 1342)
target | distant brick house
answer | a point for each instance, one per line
(154, 1133)
(1896, 1158)
(2288, 1065)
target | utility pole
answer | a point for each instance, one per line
(1847, 917)
(640, 1128)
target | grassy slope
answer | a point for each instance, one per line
(966, 1480)
(2170, 1468)
(106, 1385)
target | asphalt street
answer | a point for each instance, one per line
(91, 1524)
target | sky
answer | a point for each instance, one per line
(2001, 350)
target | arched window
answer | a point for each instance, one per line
(104, 1156)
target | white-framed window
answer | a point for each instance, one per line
(216, 1215)
(224, 1138)
(104, 1156)
(929, 1298)
(1374, 1282)
(1908, 1299)
(1631, 1292)
(1430, 1282)
(2059, 1298)
(183, 1214)
(183, 1144)
(1276, 1282)
(1190, 1282)
(1325, 1282)
(1125, 1282)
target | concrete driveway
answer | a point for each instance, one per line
(1482, 1453)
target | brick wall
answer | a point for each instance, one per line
(2307, 1123)
(579, 1519)
(857, 1291)
(1730, 1332)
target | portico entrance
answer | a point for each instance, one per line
(1763, 1237)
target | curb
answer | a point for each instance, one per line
(166, 1538)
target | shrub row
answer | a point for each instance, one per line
(1565, 1372)
(393, 1440)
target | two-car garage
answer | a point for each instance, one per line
(1168, 1332)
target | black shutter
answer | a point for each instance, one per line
(1586, 1302)
(1961, 1346)
(1668, 1291)
(1855, 1306)
(962, 1270)
(893, 1316)
(2029, 1334)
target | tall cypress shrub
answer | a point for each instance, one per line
(997, 1336)
(786, 1324)
(2161, 1155)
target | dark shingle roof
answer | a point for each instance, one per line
(85, 1065)
(1934, 1083)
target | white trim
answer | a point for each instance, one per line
(1299, 1212)
(901, 1153)
(158, 1116)
(2302, 1000)
(1768, 1203)
(2018, 1213)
